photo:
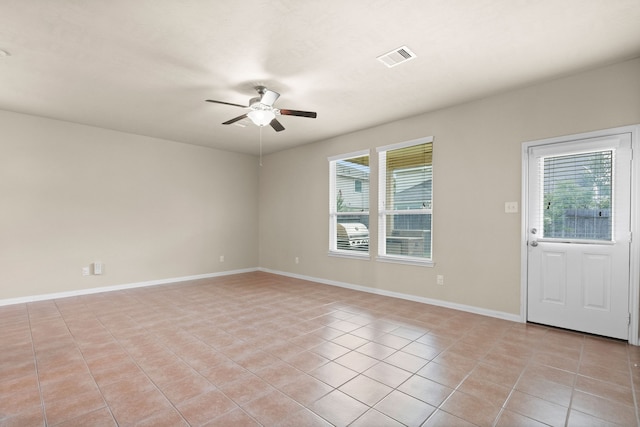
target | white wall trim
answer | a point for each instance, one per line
(79, 292)
(423, 300)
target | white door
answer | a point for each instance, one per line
(578, 220)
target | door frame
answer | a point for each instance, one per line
(634, 272)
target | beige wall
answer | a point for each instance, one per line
(152, 209)
(149, 209)
(477, 167)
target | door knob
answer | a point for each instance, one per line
(534, 230)
(534, 243)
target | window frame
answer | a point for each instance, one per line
(383, 212)
(333, 209)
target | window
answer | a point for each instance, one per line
(349, 204)
(404, 201)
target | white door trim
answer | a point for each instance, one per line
(634, 273)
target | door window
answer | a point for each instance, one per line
(577, 196)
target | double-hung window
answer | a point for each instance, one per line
(349, 204)
(405, 202)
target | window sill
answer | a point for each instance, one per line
(405, 260)
(349, 254)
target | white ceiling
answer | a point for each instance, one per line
(146, 66)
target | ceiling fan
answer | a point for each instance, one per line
(262, 112)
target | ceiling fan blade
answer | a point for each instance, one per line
(226, 103)
(236, 119)
(276, 125)
(269, 97)
(310, 114)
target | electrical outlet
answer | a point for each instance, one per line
(440, 279)
(86, 271)
(221, 258)
(297, 260)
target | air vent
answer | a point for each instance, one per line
(396, 56)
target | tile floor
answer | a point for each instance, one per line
(259, 349)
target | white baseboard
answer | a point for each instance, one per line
(439, 303)
(43, 297)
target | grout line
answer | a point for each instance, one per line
(634, 392)
(575, 382)
(35, 363)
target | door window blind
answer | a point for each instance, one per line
(577, 196)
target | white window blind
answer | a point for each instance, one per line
(349, 204)
(405, 200)
(577, 196)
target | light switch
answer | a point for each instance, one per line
(510, 207)
(97, 268)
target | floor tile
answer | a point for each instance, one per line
(448, 376)
(72, 406)
(605, 389)
(471, 409)
(306, 361)
(391, 340)
(306, 390)
(537, 409)
(19, 395)
(545, 389)
(272, 408)
(580, 419)
(444, 419)
(513, 419)
(236, 418)
(338, 408)
(406, 361)
(304, 418)
(31, 417)
(205, 407)
(187, 387)
(356, 361)
(350, 341)
(500, 375)
(494, 393)
(139, 407)
(366, 390)
(260, 349)
(376, 350)
(604, 409)
(373, 418)
(387, 374)
(164, 418)
(404, 408)
(421, 350)
(224, 373)
(426, 390)
(127, 387)
(333, 374)
(329, 350)
(455, 360)
(246, 389)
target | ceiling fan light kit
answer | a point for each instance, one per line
(262, 112)
(261, 117)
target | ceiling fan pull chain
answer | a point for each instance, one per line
(260, 145)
